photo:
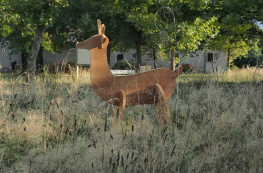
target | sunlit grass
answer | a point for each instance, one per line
(236, 75)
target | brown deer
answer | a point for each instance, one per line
(151, 87)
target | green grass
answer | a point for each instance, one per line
(58, 124)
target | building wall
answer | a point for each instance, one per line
(6, 58)
(129, 56)
(220, 65)
(197, 59)
(64, 55)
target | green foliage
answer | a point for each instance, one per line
(29, 20)
(187, 68)
(191, 28)
(21, 18)
(123, 65)
(253, 58)
(250, 60)
(238, 28)
(192, 34)
(218, 25)
(37, 12)
(232, 37)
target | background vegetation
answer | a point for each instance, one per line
(230, 26)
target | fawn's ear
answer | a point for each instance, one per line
(99, 26)
(101, 31)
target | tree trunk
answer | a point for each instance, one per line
(139, 54)
(173, 59)
(138, 47)
(228, 58)
(24, 60)
(154, 58)
(109, 53)
(31, 63)
(40, 59)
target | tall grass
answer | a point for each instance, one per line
(58, 124)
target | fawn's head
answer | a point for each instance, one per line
(97, 41)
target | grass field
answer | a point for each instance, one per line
(58, 124)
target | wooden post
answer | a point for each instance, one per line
(228, 59)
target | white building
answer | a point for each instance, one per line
(203, 61)
(6, 58)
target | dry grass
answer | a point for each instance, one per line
(58, 124)
(245, 75)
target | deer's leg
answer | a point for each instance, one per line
(161, 105)
(122, 105)
(120, 110)
(116, 112)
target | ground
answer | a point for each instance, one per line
(58, 124)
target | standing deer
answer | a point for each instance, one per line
(151, 87)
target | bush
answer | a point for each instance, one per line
(187, 68)
(122, 65)
(253, 58)
(126, 65)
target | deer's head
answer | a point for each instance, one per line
(97, 41)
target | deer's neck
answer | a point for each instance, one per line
(100, 71)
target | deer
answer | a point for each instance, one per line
(150, 87)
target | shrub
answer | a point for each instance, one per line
(187, 68)
(126, 65)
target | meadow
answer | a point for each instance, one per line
(58, 124)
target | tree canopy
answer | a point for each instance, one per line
(26, 21)
(230, 26)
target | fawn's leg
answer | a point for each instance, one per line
(120, 110)
(161, 106)
(122, 105)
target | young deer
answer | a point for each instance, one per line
(151, 87)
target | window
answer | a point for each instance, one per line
(212, 57)
(120, 57)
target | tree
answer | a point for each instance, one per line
(79, 26)
(130, 24)
(197, 23)
(253, 58)
(188, 15)
(135, 35)
(237, 23)
(16, 33)
(232, 39)
(31, 15)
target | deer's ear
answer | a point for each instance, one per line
(99, 26)
(103, 29)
